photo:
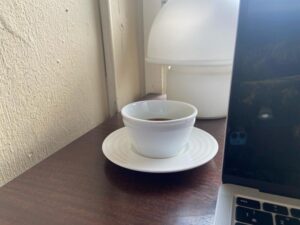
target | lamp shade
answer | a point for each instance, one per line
(194, 32)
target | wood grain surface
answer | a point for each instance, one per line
(79, 186)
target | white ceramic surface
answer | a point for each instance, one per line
(206, 87)
(194, 32)
(200, 149)
(159, 139)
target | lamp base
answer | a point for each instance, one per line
(207, 88)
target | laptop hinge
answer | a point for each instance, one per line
(276, 191)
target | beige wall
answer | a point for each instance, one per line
(153, 72)
(52, 83)
(128, 49)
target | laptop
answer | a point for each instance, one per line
(261, 169)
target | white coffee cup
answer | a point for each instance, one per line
(159, 128)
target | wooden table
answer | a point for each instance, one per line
(79, 186)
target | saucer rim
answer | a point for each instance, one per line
(159, 170)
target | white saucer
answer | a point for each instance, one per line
(200, 149)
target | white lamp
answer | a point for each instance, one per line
(196, 37)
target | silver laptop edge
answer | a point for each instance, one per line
(225, 209)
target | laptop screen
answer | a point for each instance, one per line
(263, 130)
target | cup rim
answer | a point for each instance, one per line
(193, 115)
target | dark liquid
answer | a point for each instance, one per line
(158, 119)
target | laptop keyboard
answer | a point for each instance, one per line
(250, 211)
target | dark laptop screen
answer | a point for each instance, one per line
(263, 131)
